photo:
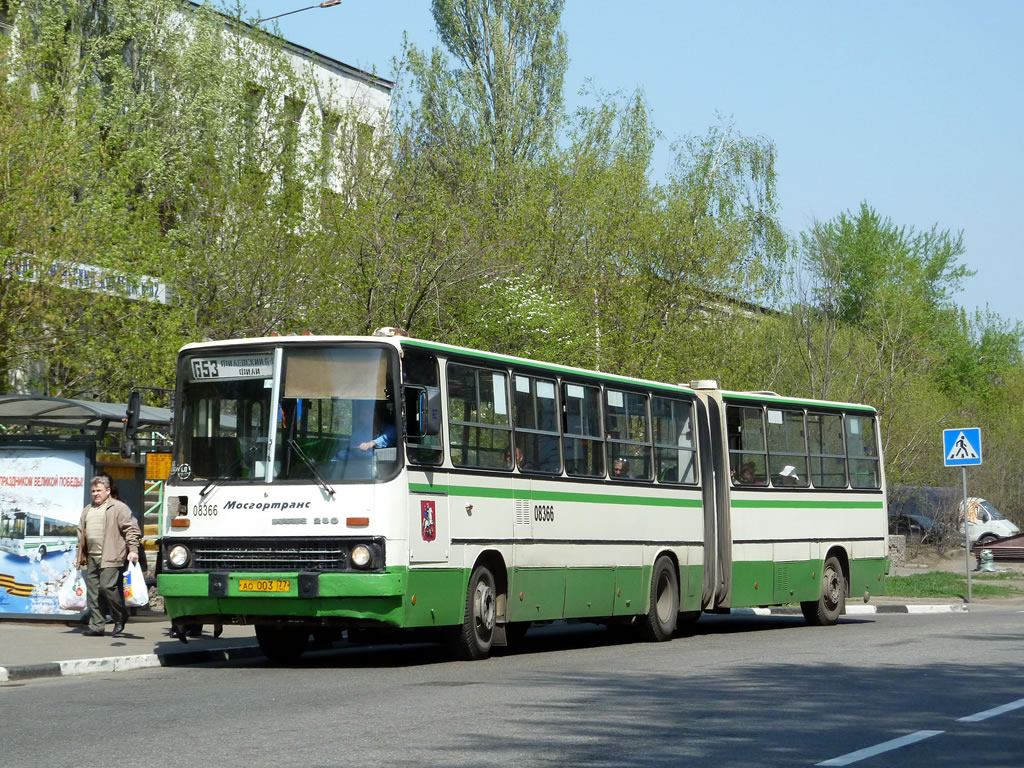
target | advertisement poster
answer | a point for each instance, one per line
(42, 493)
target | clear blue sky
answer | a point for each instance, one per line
(915, 107)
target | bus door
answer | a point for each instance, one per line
(715, 494)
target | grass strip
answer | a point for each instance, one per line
(951, 585)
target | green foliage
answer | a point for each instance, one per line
(508, 94)
(943, 584)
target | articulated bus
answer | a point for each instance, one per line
(329, 484)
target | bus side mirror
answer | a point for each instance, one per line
(422, 410)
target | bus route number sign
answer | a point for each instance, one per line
(221, 368)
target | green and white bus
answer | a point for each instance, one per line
(323, 484)
(32, 535)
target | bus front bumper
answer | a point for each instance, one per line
(243, 598)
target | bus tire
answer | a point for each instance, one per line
(825, 611)
(282, 645)
(472, 640)
(660, 622)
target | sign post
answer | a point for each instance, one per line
(962, 448)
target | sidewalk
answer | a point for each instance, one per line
(32, 649)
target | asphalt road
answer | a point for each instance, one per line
(739, 691)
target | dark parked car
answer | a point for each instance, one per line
(918, 529)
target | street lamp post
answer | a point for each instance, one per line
(324, 4)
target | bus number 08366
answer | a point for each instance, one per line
(544, 513)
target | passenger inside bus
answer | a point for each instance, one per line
(521, 461)
(748, 475)
(370, 435)
(620, 468)
(383, 430)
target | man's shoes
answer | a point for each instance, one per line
(118, 629)
(93, 633)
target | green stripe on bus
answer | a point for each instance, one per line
(583, 498)
(794, 504)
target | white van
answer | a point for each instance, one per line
(985, 524)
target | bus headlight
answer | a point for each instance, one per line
(177, 556)
(361, 556)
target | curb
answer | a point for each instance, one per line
(124, 663)
(854, 610)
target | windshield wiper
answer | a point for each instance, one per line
(212, 482)
(217, 480)
(312, 466)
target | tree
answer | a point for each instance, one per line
(168, 155)
(508, 94)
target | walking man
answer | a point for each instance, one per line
(107, 536)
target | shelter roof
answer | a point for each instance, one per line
(75, 415)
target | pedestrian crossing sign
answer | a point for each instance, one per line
(962, 447)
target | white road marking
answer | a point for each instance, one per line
(992, 712)
(885, 746)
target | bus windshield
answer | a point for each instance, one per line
(12, 525)
(334, 419)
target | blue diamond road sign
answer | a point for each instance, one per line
(962, 447)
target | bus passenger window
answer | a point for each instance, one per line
(536, 420)
(787, 448)
(828, 456)
(675, 447)
(582, 441)
(861, 448)
(629, 434)
(748, 459)
(478, 417)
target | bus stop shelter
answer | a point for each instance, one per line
(82, 418)
(49, 449)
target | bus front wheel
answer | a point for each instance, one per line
(282, 645)
(825, 611)
(660, 621)
(472, 640)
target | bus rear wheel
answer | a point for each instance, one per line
(472, 640)
(660, 621)
(825, 611)
(282, 645)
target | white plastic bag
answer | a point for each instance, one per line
(72, 592)
(136, 593)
